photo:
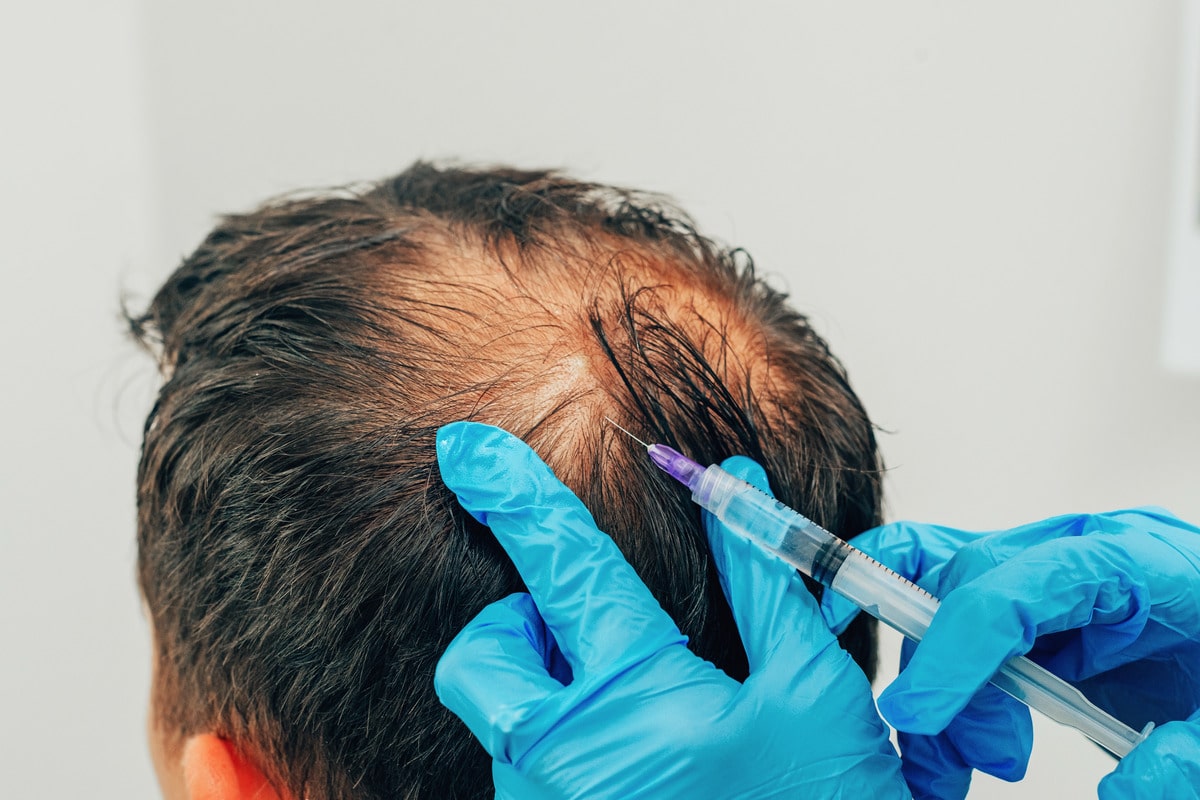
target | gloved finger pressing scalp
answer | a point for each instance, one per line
(771, 605)
(912, 549)
(1058, 585)
(595, 605)
(1167, 764)
(495, 677)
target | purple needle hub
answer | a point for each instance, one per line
(676, 464)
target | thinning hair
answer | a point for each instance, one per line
(303, 564)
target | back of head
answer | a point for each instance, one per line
(303, 564)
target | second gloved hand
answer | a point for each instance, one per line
(585, 688)
(1110, 602)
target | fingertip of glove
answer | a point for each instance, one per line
(477, 462)
(459, 439)
(913, 711)
(748, 470)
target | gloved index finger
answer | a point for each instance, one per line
(600, 612)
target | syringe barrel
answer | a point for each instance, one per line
(760, 517)
(898, 602)
(816, 552)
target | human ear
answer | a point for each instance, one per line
(213, 769)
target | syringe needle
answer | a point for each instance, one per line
(627, 433)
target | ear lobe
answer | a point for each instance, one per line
(213, 769)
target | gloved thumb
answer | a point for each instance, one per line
(498, 675)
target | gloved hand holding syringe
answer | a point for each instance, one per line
(879, 591)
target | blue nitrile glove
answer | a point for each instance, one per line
(1115, 600)
(994, 732)
(584, 688)
(1167, 764)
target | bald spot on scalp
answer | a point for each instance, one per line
(522, 323)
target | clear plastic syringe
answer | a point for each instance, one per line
(876, 589)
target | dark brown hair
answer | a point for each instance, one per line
(303, 564)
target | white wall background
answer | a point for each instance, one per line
(970, 199)
(1181, 323)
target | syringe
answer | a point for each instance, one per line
(876, 589)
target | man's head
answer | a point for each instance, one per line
(303, 565)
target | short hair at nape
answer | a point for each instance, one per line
(303, 564)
